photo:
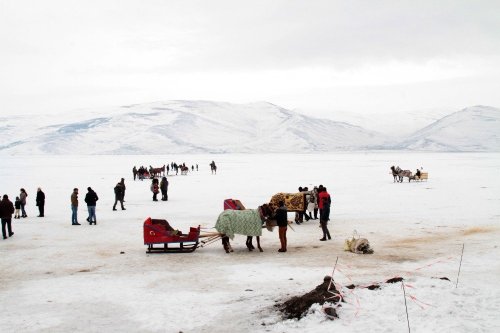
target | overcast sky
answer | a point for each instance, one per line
(317, 56)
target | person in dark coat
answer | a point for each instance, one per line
(324, 217)
(91, 200)
(40, 201)
(17, 206)
(119, 193)
(281, 218)
(164, 189)
(155, 188)
(6, 211)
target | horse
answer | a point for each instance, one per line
(213, 167)
(184, 170)
(156, 172)
(395, 174)
(246, 222)
(398, 174)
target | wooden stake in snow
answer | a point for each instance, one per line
(404, 294)
(459, 267)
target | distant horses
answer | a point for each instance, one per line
(184, 170)
(398, 174)
(213, 167)
(157, 172)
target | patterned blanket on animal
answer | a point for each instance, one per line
(242, 222)
(294, 202)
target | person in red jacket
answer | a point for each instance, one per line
(322, 193)
(6, 211)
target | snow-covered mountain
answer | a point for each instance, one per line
(475, 128)
(182, 127)
(218, 127)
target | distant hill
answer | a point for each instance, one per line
(217, 127)
(475, 128)
(183, 127)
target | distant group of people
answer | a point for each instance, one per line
(142, 172)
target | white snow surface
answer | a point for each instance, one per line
(175, 127)
(55, 277)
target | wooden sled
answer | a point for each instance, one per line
(159, 232)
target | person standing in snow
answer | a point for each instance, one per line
(155, 188)
(315, 196)
(6, 211)
(282, 222)
(124, 187)
(74, 207)
(91, 200)
(134, 172)
(17, 205)
(22, 197)
(164, 189)
(119, 193)
(325, 217)
(40, 202)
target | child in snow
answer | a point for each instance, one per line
(17, 205)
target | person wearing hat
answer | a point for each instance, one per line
(6, 211)
(91, 199)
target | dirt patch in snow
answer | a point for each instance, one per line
(298, 306)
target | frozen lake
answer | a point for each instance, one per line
(56, 277)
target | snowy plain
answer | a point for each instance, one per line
(55, 277)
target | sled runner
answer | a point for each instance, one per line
(159, 232)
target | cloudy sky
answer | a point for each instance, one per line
(320, 57)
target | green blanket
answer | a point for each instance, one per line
(242, 222)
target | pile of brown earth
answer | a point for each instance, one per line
(298, 306)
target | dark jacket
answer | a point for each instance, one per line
(91, 198)
(164, 185)
(40, 198)
(325, 213)
(17, 204)
(119, 191)
(281, 217)
(6, 209)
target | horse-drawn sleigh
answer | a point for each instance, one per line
(398, 174)
(235, 219)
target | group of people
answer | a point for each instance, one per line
(91, 201)
(7, 208)
(317, 200)
(159, 186)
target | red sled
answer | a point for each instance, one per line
(159, 232)
(233, 204)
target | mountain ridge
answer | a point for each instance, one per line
(182, 126)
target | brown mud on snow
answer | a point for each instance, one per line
(298, 306)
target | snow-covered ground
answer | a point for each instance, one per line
(55, 277)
